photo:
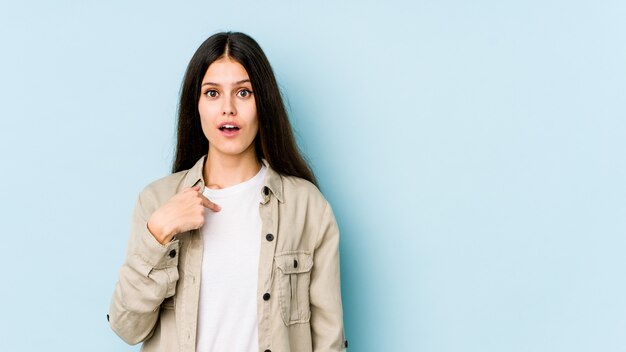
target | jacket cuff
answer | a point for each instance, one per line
(151, 254)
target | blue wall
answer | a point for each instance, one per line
(474, 154)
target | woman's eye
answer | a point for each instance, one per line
(244, 93)
(211, 93)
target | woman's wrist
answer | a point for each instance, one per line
(160, 232)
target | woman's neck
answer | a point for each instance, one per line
(221, 171)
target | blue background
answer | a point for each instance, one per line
(473, 153)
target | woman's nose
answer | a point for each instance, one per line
(229, 108)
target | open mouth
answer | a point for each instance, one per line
(227, 127)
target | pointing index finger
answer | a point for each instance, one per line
(208, 204)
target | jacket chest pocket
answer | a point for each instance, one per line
(294, 277)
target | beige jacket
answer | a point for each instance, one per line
(299, 296)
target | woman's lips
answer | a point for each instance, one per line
(229, 129)
(229, 132)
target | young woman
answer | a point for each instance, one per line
(236, 250)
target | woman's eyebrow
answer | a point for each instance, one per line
(217, 84)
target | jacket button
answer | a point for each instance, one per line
(295, 263)
(266, 191)
(269, 237)
(172, 253)
(266, 296)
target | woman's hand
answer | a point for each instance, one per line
(183, 212)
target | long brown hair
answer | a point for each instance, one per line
(274, 141)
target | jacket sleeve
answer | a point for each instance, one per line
(148, 276)
(325, 291)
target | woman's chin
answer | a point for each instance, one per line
(232, 151)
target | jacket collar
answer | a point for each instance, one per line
(272, 180)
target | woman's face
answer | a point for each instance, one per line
(227, 109)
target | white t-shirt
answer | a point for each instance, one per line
(227, 311)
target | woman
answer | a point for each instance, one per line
(236, 250)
